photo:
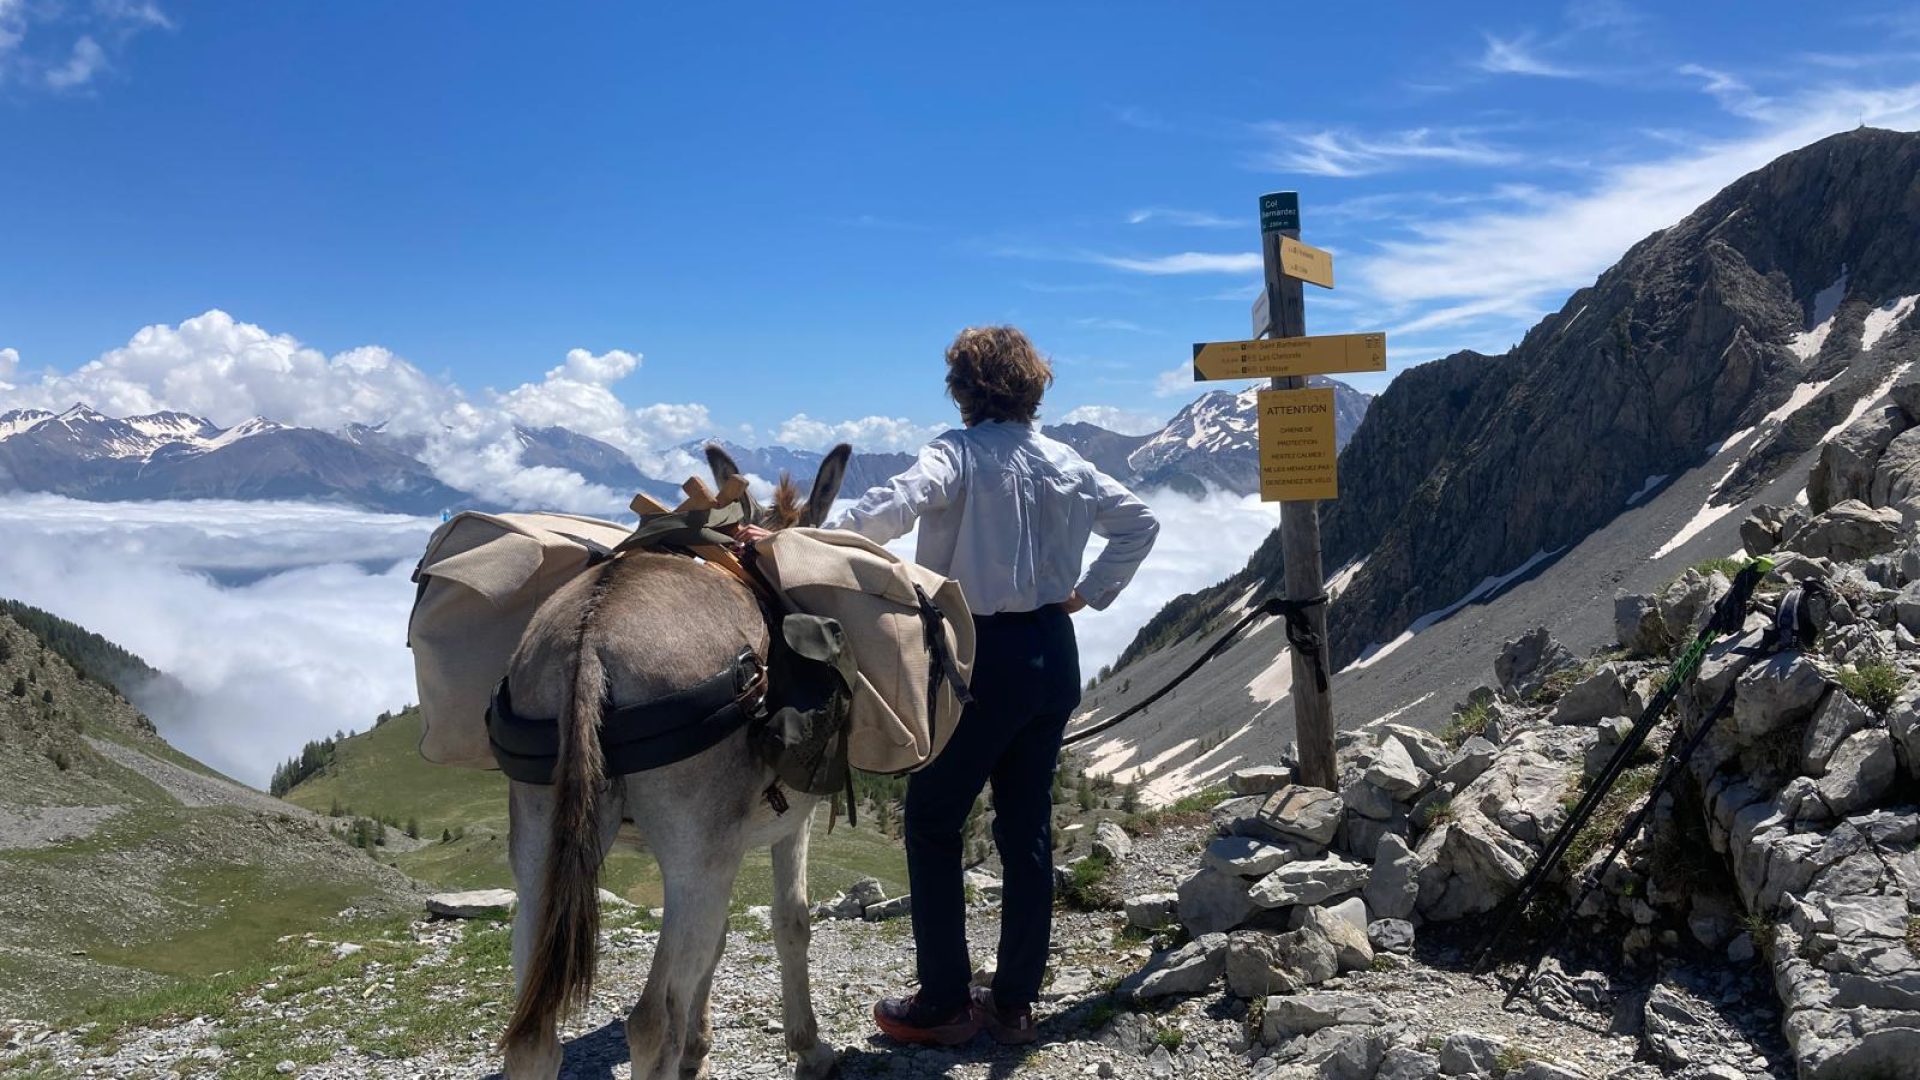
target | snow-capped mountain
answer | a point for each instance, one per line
(1216, 441)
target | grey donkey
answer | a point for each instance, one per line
(633, 630)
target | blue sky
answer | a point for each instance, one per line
(757, 212)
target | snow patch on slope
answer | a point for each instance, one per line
(1883, 319)
(1647, 488)
(1487, 587)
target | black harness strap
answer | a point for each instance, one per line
(1300, 633)
(634, 738)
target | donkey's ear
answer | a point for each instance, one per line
(722, 465)
(826, 485)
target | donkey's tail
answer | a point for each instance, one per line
(560, 969)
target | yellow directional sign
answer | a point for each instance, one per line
(1297, 455)
(1324, 355)
(1308, 263)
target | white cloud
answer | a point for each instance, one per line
(65, 46)
(1733, 94)
(1516, 260)
(88, 59)
(9, 363)
(1176, 381)
(1185, 262)
(306, 635)
(1115, 418)
(1195, 219)
(1344, 154)
(1515, 56)
(869, 434)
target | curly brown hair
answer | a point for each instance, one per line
(995, 373)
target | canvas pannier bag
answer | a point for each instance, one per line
(481, 579)
(907, 627)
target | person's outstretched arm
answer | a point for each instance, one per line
(1130, 530)
(887, 512)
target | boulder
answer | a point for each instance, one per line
(1368, 801)
(1429, 754)
(1768, 527)
(1295, 812)
(1687, 604)
(1637, 625)
(1859, 774)
(1394, 772)
(1304, 1014)
(1309, 881)
(1259, 779)
(1553, 1070)
(866, 892)
(1906, 608)
(1896, 477)
(1845, 470)
(1837, 717)
(889, 909)
(1390, 935)
(1190, 969)
(1259, 963)
(1152, 911)
(1341, 1052)
(1671, 1028)
(1407, 1063)
(1525, 663)
(1469, 762)
(1848, 531)
(1345, 927)
(1903, 723)
(985, 885)
(1606, 692)
(473, 904)
(1394, 887)
(1211, 901)
(1781, 691)
(1248, 857)
(1469, 1053)
(1111, 842)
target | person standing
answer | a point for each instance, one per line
(1006, 512)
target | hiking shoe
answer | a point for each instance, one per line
(1009, 1027)
(908, 1020)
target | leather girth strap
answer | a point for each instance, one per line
(634, 738)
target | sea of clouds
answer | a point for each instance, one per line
(287, 621)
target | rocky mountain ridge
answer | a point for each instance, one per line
(1766, 317)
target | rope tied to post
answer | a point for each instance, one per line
(1305, 640)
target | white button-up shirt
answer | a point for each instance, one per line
(1006, 512)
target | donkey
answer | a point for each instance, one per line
(633, 630)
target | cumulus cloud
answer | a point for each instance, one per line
(86, 61)
(869, 433)
(216, 366)
(285, 622)
(1114, 418)
(64, 47)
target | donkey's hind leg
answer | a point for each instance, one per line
(699, 858)
(529, 831)
(792, 932)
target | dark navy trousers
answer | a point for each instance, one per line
(1026, 684)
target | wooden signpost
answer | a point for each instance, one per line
(1298, 458)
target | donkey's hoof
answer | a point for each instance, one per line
(817, 1062)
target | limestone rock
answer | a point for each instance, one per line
(1896, 477)
(1637, 625)
(1295, 812)
(1687, 604)
(1407, 1063)
(1847, 462)
(1394, 887)
(1260, 963)
(1347, 935)
(1309, 882)
(1850, 530)
(1394, 772)
(1259, 779)
(1429, 754)
(1469, 1053)
(1304, 1014)
(1781, 691)
(1111, 842)
(888, 909)
(1606, 692)
(1190, 969)
(985, 885)
(1211, 901)
(1859, 774)
(1525, 662)
(1837, 717)
(1469, 762)
(473, 904)
(1248, 857)
(1152, 911)
(1671, 1028)
(1390, 935)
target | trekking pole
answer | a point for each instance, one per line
(1726, 619)
(1671, 767)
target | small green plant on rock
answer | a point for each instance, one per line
(1089, 887)
(1171, 1038)
(1876, 685)
(1465, 724)
(1512, 1058)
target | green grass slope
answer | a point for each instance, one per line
(380, 774)
(128, 868)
